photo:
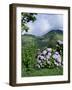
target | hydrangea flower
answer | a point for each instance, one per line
(60, 42)
(49, 49)
(57, 58)
(44, 52)
(48, 55)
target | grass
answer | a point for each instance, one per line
(43, 72)
(30, 44)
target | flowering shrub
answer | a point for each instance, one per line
(51, 57)
(34, 58)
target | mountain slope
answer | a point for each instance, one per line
(50, 38)
(47, 40)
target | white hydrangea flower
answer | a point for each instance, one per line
(44, 52)
(49, 49)
(56, 63)
(60, 42)
(57, 58)
(40, 58)
(57, 53)
(48, 55)
(38, 61)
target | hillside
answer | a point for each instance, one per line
(52, 33)
(47, 40)
(51, 37)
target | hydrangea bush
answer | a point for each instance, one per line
(52, 57)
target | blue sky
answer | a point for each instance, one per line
(44, 23)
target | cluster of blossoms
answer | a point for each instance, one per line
(43, 57)
(46, 56)
(57, 59)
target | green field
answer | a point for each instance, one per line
(42, 72)
(30, 44)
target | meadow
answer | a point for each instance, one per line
(30, 44)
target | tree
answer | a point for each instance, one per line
(25, 18)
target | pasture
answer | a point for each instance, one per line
(30, 44)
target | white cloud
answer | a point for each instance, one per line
(44, 23)
(45, 26)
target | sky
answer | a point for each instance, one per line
(44, 23)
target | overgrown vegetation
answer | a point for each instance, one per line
(30, 44)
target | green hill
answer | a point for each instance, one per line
(28, 39)
(51, 37)
(47, 40)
